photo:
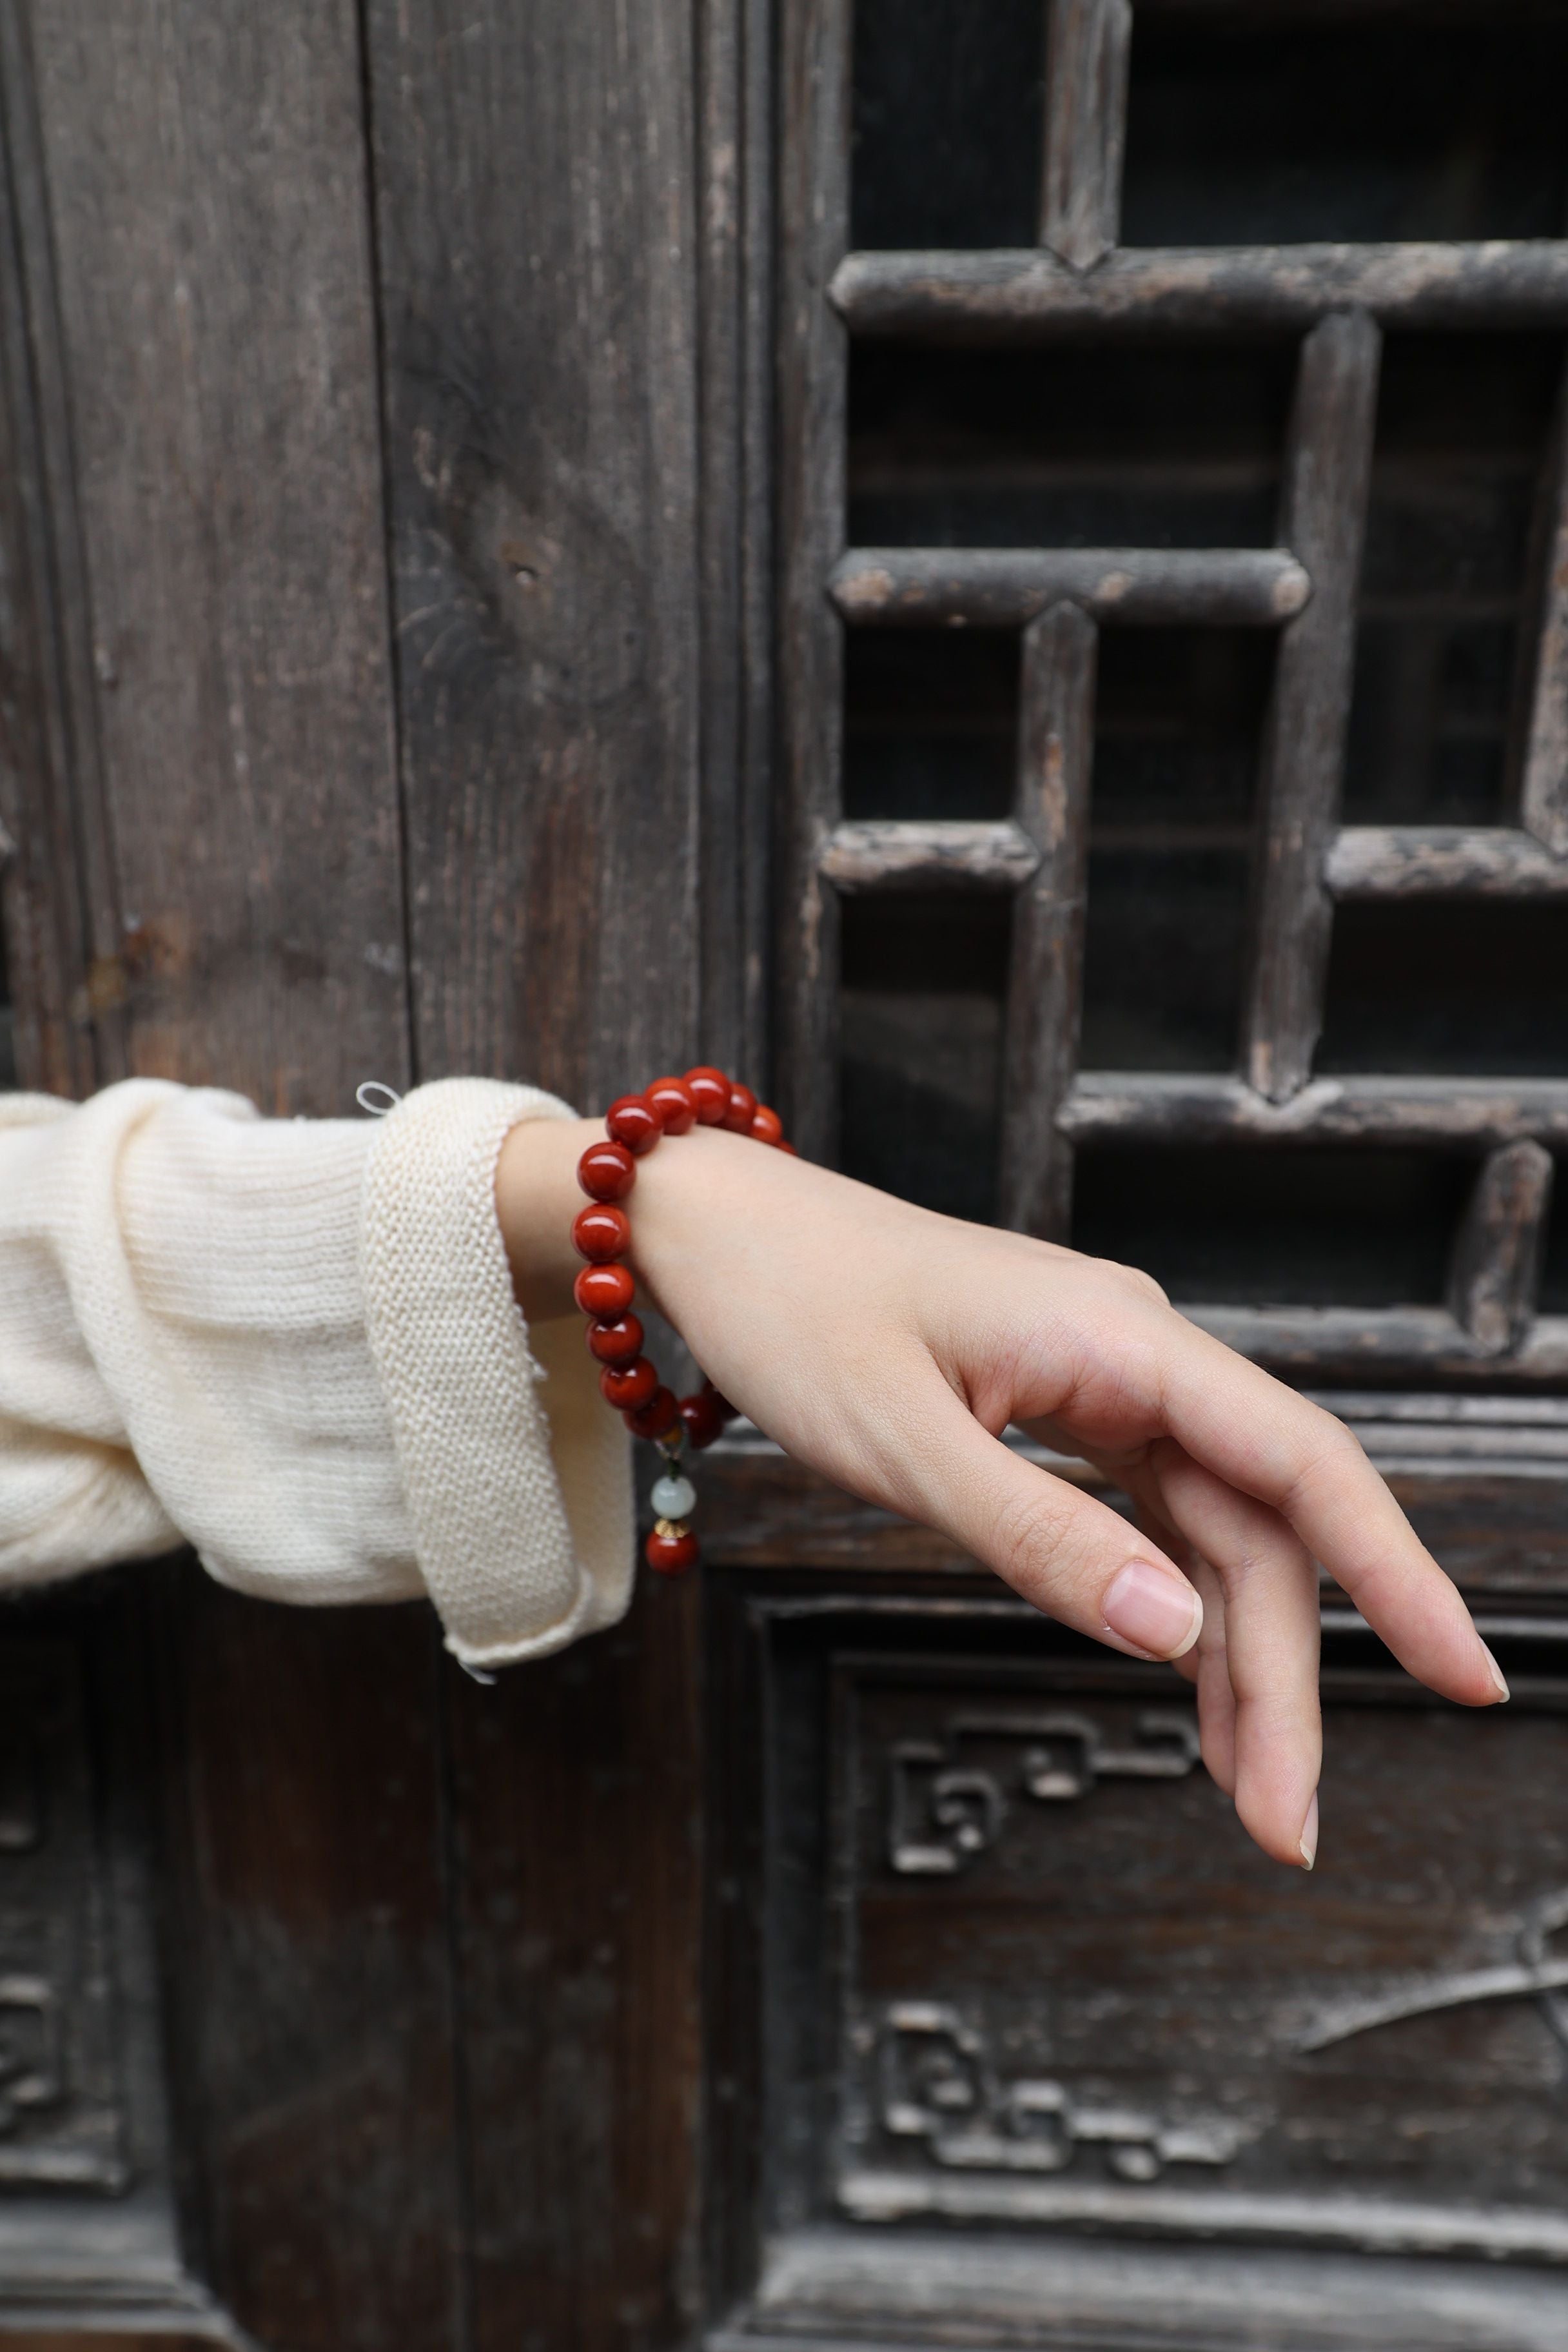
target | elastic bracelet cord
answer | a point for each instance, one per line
(605, 1287)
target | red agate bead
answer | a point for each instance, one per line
(767, 1125)
(605, 1290)
(672, 1100)
(742, 1109)
(616, 1342)
(606, 1172)
(702, 1421)
(671, 1555)
(722, 1405)
(600, 1232)
(633, 1122)
(709, 1090)
(657, 1417)
(627, 1386)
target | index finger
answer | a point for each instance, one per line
(1262, 1437)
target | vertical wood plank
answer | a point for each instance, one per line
(1044, 992)
(1543, 786)
(1496, 1273)
(1328, 467)
(538, 255)
(814, 214)
(578, 1793)
(1088, 44)
(214, 292)
(311, 1994)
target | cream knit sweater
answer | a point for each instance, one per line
(294, 1345)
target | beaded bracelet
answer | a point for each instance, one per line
(605, 1287)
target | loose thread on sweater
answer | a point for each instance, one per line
(366, 1095)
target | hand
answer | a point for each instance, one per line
(889, 1348)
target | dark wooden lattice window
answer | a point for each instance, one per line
(1175, 538)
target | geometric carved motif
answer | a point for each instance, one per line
(936, 2083)
(943, 1813)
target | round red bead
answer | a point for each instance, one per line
(605, 1290)
(767, 1125)
(616, 1342)
(702, 1421)
(672, 1100)
(606, 1172)
(671, 1555)
(742, 1110)
(709, 1090)
(725, 1410)
(657, 1417)
(627, 1386)
(600, 1232)
(634, 1122)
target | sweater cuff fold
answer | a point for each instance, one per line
(518, 1479)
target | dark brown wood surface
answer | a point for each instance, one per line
(1087, 47)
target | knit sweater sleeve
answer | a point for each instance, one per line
(294, 1345)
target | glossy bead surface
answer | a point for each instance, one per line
(671, 1099)
(709, 1090)
(616, 1342)
(606, 1172)
(702, 1421)
(671, 1555)
(600, 1234)
(634, 1122)
(629, 1386)
(742, 1110)
(722, 1405)
(657, 1417)
(673, 1498)
(767, 1125)
(605, 1290)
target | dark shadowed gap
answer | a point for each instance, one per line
(1431, 987)
(1462, 427)
(930, 721)
(948, 99)
(1112, 448)
(1292, 122)
(923, 981)
(1296, 1228)
(1175, 766)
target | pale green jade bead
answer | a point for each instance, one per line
(674, 1498)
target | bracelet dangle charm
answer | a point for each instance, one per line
(606, 1287)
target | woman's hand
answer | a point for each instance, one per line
(889, 1348)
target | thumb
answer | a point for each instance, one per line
(1068, 1555)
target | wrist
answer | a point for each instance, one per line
(537, 1196)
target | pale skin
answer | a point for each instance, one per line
(889, 1348)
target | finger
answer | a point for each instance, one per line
(1259, 1436)
(1272, 1635)
(1071, 1556)
(1205, 1665)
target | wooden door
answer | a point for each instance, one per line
(999, 568)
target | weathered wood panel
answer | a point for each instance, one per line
(1496, 1273)
(535, 181)
(1005, 587)
(1087, 47)
(577, 1783)
(219, 359)
(310, 1999)
(888, 854)
(1442, 861)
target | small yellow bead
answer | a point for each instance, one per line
(672, 1526)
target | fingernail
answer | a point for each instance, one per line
(1307, 1846)
(1502, 1689)
(1153, 1610)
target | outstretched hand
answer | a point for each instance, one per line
(889, 1348)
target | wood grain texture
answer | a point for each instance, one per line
(812, 223)
(1154, 1107)
(1044, 984)
(1543, 783)
(1088, 42)
(578, 1784)
(310, 1995)
(1496, 1273)
(1328, 468)
(537, 263)
(1442, 861)
(939, 854)
(219, 347)
(1003, 587)
(1026, 296)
